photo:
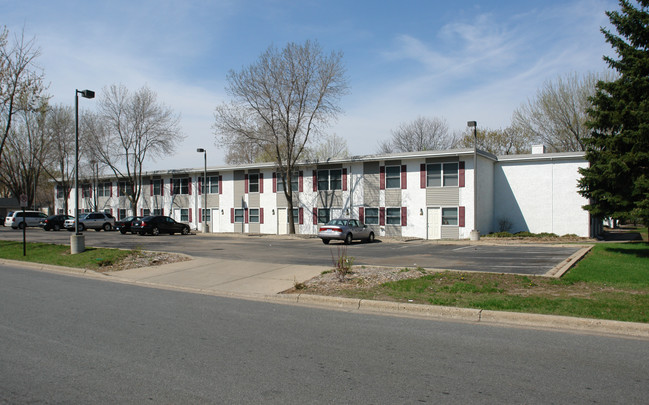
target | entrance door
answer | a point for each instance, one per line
(176, 214)
(282, 221)
(215, 220)
(434, 223)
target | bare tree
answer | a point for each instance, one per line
(21, 83)
(279, 102)
(128, 129)
(558, 114)
(26, 148)
(495, 141)
(328, 147)
(58, 163)
(420, 134)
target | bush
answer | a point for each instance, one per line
(342, 264)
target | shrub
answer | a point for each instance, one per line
(342, 264)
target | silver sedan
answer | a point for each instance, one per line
(345, 229)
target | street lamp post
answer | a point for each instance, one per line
(77, 242)
(204, 152)
(475, 234)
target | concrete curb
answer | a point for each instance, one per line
(487, 317)
(560, 269)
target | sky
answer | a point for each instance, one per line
(457, 60)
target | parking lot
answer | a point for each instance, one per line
(520, 259)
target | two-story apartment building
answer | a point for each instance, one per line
(428, 195)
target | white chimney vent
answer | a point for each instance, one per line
(538, 149)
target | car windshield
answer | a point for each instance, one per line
(128, 219)
(83, 216)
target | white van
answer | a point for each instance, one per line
(17, 220)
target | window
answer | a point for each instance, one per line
(393, 177)
(330, 179)
(184, 215)
(323, 215)
(294, 182)
(59, 192)
(238, 215)
(103, 189)
(296, 216)
(157, 211)
(253, 215)
(207, 214)
(59, 211)
(253, 183)
(372, 216)
(438, 174)
(213, 184)
(157, 186)
(393, 216)
(121, 213)
(86, 191)
(449, 216)
(181, 186)
(121, 190)
(146, 212)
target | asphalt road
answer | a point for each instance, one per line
(525, 259)
(68, 339)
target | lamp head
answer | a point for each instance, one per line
(472, 124)
(87, 93)
(200, 150)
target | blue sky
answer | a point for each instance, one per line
(458, 60)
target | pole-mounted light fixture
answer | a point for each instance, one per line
(475, 234)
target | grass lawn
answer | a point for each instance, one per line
(611, 282)
(92, 258)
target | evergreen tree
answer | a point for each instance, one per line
(617, 181)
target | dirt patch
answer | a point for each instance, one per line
(143, 259)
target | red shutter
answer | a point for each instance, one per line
(245, 215)
(404, 177)
(190, 215)
(404, 216)
(261, 215)
(382, 216)
(162, 187)
(361, 214)
(111, 190)
(382, 178)
(246, 184)
(189, 186)
(315, 216)
(344, 179)
(315, 181)
(422, 175)
(461, 175)
(300, 214)
(141, 212)
(200, 185)
(460, 217)
(301, 182)
(261, 183)
(231, 215)
(171, 186)
(162, 211)
(274, 182)
(220, 184)
(200, 215)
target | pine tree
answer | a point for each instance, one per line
(617, 181)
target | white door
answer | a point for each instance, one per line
(282, 221)
(215, 220)
(337, 213)
(176, 215)
(434, 223)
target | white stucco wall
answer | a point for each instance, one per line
(540, 196)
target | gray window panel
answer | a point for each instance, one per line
(393, 216)
(323, 215)
(434, 175)
(372, 216)
(393, 177)
(450, 174)
(449, 216)
(323, 179)
(238, 215)
(253, 215)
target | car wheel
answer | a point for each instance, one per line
(348, 239)
(21, 225)
(107, 227)
(57, 227)
(326, 241)
(370, 239)
(186, 230)
(155, 231)
(122, 231)
(82, 227)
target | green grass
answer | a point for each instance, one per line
(611, 282)
(91, 258)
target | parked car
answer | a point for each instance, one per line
(345, 229)
(93, 220)
(124, 225)
(54, 222)
(18, 219)
(157, 224)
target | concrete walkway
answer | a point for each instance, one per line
(225, 277)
